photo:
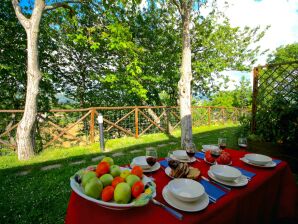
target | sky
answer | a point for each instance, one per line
(281, 15)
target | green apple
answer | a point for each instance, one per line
(106, 179)
(115, 170)
(87, 176)
(93, 187)
(131, 179)
(122, 193)
(124, 173)
(109, 160)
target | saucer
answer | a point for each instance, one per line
(194, 206)
(268, 165)
(155, 167)
(239, 182)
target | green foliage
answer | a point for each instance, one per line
(277, 102)
(240, 97)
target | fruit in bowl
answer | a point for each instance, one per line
(112, 186)
(224, 158)
(208, 156)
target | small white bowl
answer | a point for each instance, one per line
(224, 172)
(180, 154)
(141, 161)
(258, 159)
(186, 189)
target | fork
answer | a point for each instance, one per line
(222, 186)
(170, 210)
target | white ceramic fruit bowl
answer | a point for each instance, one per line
(225, 172)
(258, 159)
(76, 187)
(180, 154)
(186, 189)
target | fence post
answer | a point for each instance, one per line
(254, 98)
(209, 118)
(137, 122)
(92, 125)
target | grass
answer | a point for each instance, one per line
(42, 196)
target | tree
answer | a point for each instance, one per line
(25, 140)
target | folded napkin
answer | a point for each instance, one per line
(212, 190)
(277, 161)
(164, 163)
(200, 155)
(245, 172)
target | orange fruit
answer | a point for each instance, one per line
(107, 193)
(117, 180)
(102, 168)
(138, 171)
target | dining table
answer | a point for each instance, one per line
(270, 196)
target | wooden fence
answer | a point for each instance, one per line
(79, 126)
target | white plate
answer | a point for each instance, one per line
(194, 206)
(180, 154)
(189, 160)
(155, 167)
(141, 161)
(241, 181)
(225, 173)
(168, 171)
(110, 205)
(186, 189)
(258, 159)
(268, 165)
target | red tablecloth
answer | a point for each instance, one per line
(271, 194)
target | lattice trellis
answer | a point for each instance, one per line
(271, 83)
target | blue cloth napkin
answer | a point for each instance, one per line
(245, 172)
(277, 161)
(212, 190)
(164, 163)
(200, 155)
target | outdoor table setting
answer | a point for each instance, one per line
(214, 185)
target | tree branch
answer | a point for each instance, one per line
(22, 19)
(61, 4)
(178, 6)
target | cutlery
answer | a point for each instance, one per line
(224, 187)
(170, 210)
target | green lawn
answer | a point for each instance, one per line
(42, 196)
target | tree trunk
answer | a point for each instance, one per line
(185, 80)
(25, 129)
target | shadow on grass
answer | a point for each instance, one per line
(206, 137)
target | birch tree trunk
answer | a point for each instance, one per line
(25, 140)
(184, 84)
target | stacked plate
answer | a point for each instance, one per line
(227, 175)
(258, 160)
(186, 195)
(141, 161)
(215, 150)
(181, 156)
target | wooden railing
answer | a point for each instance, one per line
(68, 127)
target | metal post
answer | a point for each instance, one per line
(101, 135)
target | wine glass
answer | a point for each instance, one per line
(151, 156)
(190, 149)
(242, 143)
(222, 143)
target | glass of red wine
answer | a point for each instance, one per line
(222, 143)
(190, 149)
(151, 156)
(242, 143)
